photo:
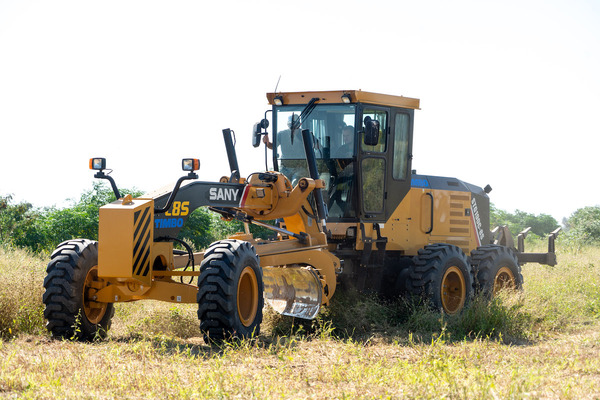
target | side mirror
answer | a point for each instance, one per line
(371, 131)
(256, 134)
(257, 131)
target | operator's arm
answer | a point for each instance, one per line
(267, 141)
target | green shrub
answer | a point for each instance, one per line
(584, 225)
(17, 222)
(541, 225)
(42, 230)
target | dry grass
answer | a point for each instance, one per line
(567, 366)
(567, 296)
(541, 343)
(21, 289)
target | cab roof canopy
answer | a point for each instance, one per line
(355, 96)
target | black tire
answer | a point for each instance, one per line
(69, 309)
(442, 275)
(495, 267)
(230, 292)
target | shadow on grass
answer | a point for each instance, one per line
(359, 317)
(351, 317)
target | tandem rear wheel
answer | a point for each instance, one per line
(496, 268)
(442, 275)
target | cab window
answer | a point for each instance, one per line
(372, 169)
(400, 164)
(381, 117)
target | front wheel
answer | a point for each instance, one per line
(71, 283)
(441, 274)
(230, 291)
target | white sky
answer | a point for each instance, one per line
(510, 90)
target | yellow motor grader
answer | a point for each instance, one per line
(344, 207)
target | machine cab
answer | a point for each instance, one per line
(363, 147)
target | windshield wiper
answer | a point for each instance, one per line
(303, 115)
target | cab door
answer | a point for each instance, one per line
(372, 162)
(385, 166)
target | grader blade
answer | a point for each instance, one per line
(293, 291)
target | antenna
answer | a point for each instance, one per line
(276, 86)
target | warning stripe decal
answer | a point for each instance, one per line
(142, 257)
(141, 239)
(135, 221)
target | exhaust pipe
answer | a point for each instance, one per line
(231, 155)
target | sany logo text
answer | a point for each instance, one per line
(227, 194)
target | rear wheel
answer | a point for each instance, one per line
(230, 295)
(71, 283)
(496, 268)
(441, 274)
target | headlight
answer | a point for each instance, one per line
(98, 163)
(190, 164)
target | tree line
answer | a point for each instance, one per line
(41, 230)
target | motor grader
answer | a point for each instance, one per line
(344, 207)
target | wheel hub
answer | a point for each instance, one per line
(247, 296)
(94, 311)
(453, 290)
(504, 279)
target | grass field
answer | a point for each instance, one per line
(543, 342)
